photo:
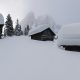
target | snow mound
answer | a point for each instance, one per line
(1, 19)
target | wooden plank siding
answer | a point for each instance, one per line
(44, 35)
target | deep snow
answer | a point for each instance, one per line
(24, 59)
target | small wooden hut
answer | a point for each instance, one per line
(43, 33)
(1, 24)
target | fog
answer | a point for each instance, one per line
(13, 7)
(63, 11)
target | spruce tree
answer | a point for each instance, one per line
(9, 25)
(18, 30)
(26, 30)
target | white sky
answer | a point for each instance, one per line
(63, 11)
(14, 7)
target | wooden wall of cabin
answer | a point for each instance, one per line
(49, 34)
(1, 27)
(36, 36)
(40, 36)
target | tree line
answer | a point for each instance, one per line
(9, 30)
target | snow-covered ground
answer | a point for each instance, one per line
(24, 59)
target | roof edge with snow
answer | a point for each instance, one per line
(40, 28)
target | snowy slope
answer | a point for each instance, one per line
(24, 59)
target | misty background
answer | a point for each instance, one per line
(63, 11)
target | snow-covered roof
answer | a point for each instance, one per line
(40, 28)
(69, 34)
(71, 29)
(1, 19)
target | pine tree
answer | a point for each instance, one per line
(26, 30)
(18, 30)
(9, 25)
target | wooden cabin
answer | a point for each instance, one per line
(1, 24)
(42, 33)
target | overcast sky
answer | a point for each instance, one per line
(63, 11)
(14, 7)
